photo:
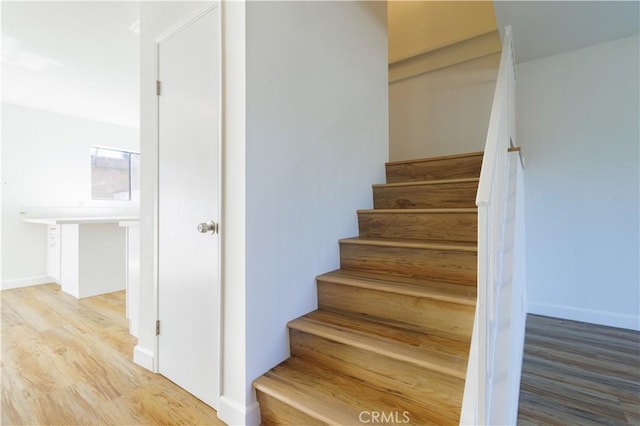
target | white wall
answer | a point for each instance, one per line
(578, 126)
(442, 112)
(304, 137)
(46, 170)
(317, 139)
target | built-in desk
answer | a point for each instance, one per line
(91, 253)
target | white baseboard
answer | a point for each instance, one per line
(143, 357)
(26, 282)
(232, 413)
(612, 319)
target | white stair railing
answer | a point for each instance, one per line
(495, 362)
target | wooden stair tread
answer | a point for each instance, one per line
(393, 330)
(425, 182)
(439, 158)
(432, 289)
(416, 211)
(336, 399)
(303, 400)
(427, 350)
(408, 243)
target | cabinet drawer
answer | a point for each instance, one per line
(53, 229)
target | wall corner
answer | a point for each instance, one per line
(143, 357)
(233, 413)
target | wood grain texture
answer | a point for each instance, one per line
(274, 411)
(426, 195)
(417, 313)
(393, 329)
(418, 287)
(426, 388)
(421, 224)
(447, 167)
(579, 373)
(307, 401)
(67, 362)
(341, 399)
(451, 264)
(388, 340)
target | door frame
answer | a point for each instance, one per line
(158, 40)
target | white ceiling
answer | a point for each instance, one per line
(81, 58)
(545, 28)
(76, 58)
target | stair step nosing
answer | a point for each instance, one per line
(303, 402)
(461, 210)
(439, 158)
(398, 288)
(408, 244)
(425, 182)
(340, 335)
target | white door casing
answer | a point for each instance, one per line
(189, 301)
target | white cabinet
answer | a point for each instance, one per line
(86, 255)
(133, 274)
(93, 259)
(53, 252)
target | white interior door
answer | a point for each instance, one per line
(188, 182)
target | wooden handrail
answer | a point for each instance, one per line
(520, 156)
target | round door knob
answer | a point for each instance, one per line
(209, 227)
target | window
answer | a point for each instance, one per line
(115, 174)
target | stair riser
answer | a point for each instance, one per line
(461, 227)
(452, 168)
(428, 196)
(441, 265)
(275, 412)
(417, 313)
(435, 391)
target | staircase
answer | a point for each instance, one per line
(389, 343)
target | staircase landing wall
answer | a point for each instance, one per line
(442, 112)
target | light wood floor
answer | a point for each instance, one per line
(68, 362)
(579, 374)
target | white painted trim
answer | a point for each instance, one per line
(233, 413)
(144, 358)
(221, 228)
(185, 22)
(612, 319)
(26, 282)
(156, 204)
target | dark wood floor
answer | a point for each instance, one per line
(68, 362)
(579, 374)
